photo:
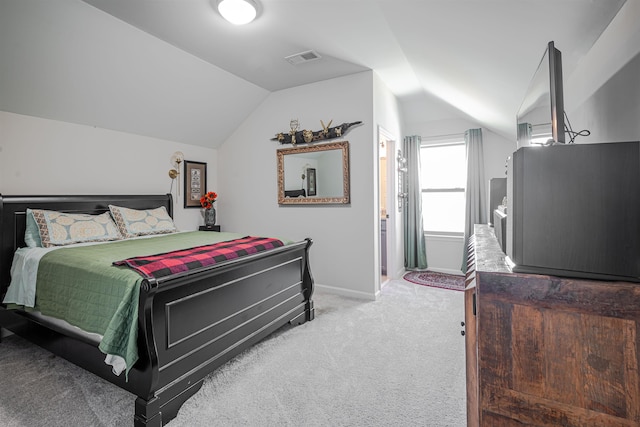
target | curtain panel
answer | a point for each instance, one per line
(415, 253)
(475, 193)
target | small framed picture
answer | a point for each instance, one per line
(311, 182)
(195, 183)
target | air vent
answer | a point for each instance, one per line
(301, 57)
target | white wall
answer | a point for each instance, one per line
(612, 113)
(342, 256)
(386, 113)
(614, 49)
(42, 156)
(603, 93)
(66, 60)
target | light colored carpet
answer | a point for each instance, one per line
(398, 361)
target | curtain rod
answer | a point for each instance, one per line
(451, 135)
(443, 139)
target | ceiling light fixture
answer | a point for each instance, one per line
(238, 12)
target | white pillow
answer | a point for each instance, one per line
(135, 222)
(60, 228)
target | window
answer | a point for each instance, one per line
(443, 180)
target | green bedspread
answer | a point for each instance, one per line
(81, 286)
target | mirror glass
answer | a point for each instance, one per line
(315, 174)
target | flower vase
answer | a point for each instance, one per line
(210, 217)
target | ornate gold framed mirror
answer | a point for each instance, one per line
(314, 174)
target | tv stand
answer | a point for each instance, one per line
(544, 350)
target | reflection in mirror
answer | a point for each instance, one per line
(316, 174)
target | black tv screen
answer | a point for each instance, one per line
(540, 119)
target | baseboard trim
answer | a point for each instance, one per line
(345, 292)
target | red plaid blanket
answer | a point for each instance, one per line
(162, 265)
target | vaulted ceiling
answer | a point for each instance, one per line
(441, 58)
(476, 56)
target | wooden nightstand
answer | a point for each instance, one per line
(207, 228)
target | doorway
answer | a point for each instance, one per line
(386, 228)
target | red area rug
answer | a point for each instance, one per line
(436, 280)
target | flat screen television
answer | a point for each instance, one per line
(540, 119)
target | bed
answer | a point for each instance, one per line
(261, 293)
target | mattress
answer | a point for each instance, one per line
(79, 284)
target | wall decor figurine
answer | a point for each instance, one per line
(294, 125)
(296, 136)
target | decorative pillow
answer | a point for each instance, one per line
(59, 228)
(32, 234)
(134, 222)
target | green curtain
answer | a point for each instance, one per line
(415, 252)
(476, 204)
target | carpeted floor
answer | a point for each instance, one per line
(42, 390)
(397, 361)
(436, 280)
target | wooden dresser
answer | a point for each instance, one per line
(548, 351)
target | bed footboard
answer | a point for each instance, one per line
(194, 324)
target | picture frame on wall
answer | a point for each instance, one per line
(311, 182)
(195, 183)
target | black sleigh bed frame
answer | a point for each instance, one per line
(187, 326)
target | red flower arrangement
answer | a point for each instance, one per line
(208, 199)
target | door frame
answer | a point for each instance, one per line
(392, 206)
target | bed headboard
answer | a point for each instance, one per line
(13, 217)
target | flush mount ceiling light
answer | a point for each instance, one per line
(238, 12)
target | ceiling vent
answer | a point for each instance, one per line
(301, 57)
